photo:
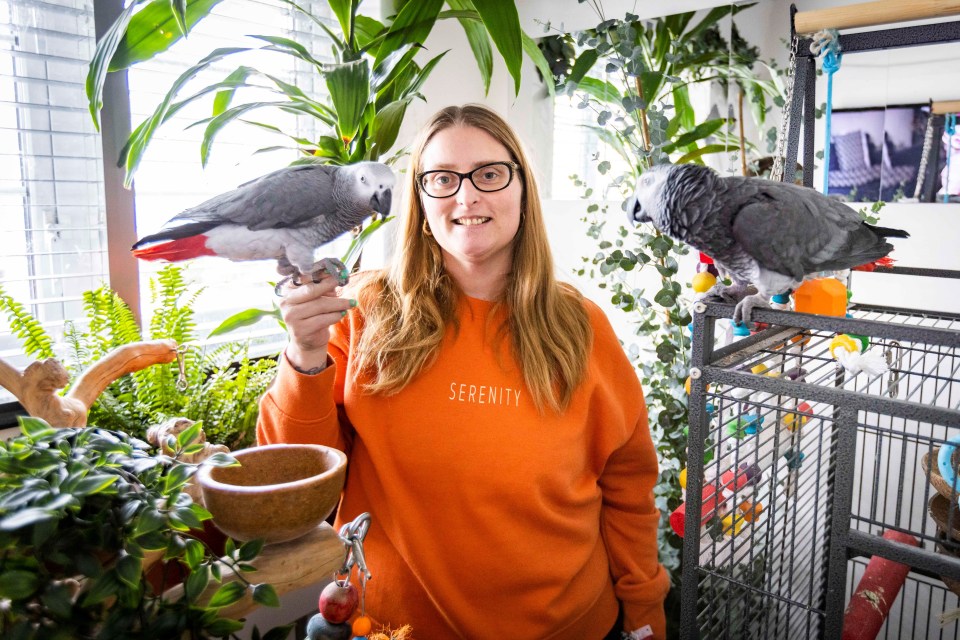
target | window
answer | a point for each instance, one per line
(53, 241)
(581, 151)
(52, 229)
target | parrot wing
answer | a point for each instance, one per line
(797, 231)
(290, 197)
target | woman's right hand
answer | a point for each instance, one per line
(309, 310)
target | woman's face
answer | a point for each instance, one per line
(474, 228)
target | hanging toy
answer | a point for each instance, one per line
(852, 354)
(827, 42)
(340, 599)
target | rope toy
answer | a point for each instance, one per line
(852, 354)
(827, 43)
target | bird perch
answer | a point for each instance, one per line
(871, 14)
(36, 386)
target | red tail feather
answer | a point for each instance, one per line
(175, 250)
(884, 262)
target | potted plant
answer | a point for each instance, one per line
(82, 514)
(224, 382)
(371, 83)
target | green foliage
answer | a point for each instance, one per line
(80, 510)
(36, 342)
(872, 215)
(223, 384)
(644, 114)
(371, 82)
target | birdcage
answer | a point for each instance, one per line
(812, 497)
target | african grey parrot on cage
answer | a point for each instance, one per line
(285, 215)
(769, 234)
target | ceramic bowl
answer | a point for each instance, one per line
(278, 493)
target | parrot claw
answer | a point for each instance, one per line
(332, 266)
(744, 309)
(731, 294)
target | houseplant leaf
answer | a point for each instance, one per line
(100, 64)
(479, 42)
(349, 87)
(155, 28)
(244, 318)
(503, 23)
(412, 25)
(344, 10)
(144, 133)
(533, 52)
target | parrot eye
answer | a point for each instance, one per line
(363, 179)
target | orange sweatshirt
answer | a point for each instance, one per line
(490, 520)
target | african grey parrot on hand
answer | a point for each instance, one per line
(285, 215)
(770, 234)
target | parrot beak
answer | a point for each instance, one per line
(381, 201)
(635, 213)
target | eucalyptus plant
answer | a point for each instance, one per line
(224, 383)
(81, 512)
(371, 82)
(635, 77)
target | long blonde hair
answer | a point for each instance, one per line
(408, 309)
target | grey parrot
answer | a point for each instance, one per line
(285, 215)
(770, 234)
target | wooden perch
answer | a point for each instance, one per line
(288, 566)
(946, 106)
(36, 387)
(870, 14)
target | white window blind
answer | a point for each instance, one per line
(52, 233)
(53, 242)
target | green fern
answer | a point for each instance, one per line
(223, 384)
(37, 343)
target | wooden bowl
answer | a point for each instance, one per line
(934, 477)
(278, 493)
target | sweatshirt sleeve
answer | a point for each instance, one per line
(301, 408)
(629, 516)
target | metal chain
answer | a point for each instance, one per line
(779, 159)
(182, 382)
(927, 145)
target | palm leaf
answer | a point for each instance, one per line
(478, 39)
(99, 65)
(412, 24)
(141, 137)
(503, 23)
(349, 87)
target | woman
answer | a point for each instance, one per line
(496, 432)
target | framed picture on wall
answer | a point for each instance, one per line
(875, 153)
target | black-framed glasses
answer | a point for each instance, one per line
(443, 183)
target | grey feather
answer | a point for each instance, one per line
(289, 197)
(767, 233)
